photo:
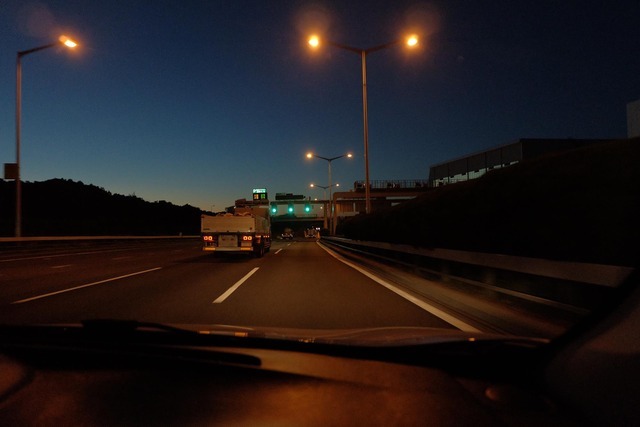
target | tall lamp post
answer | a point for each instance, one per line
(326, 211)
(329, 160)
(66, 42)
(411, 41)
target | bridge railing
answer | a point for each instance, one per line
(393, 184)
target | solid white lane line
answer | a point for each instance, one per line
(84, 286)
(234, 287)
(423, 305)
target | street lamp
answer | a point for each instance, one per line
(66, 41)
(326, 211)
(329, 160)
(411, 41)
(324, 187)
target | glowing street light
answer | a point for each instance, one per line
(66, 41)
(411, 42)
(314, 41)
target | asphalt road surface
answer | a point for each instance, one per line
(298, 284)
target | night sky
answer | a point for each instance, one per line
(199, 102)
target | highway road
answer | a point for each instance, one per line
(298, 284)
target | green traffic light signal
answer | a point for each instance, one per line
(307, 208)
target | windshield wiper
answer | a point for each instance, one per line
(124, 326)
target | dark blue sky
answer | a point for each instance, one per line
(199, 102)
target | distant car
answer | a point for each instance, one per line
(311, 232)
(287, 236)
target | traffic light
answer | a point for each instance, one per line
(274, 208)
(307, 208)
(290, 208)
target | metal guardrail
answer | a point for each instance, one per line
(567, 286)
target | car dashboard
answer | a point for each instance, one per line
(115, 382)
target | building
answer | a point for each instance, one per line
(476, 165)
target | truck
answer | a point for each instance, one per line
(247, 229)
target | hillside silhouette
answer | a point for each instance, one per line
(577, 205)
(61, 207)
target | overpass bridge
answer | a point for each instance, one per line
(298, 214)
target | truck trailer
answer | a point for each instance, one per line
(246, 230)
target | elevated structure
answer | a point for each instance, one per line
(477, 164)
(383, 193)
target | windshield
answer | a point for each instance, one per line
(362, 172)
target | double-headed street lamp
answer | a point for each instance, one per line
(324, 187)
(326, 211)
(329, 160)
(411, 41)
(64, 40)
